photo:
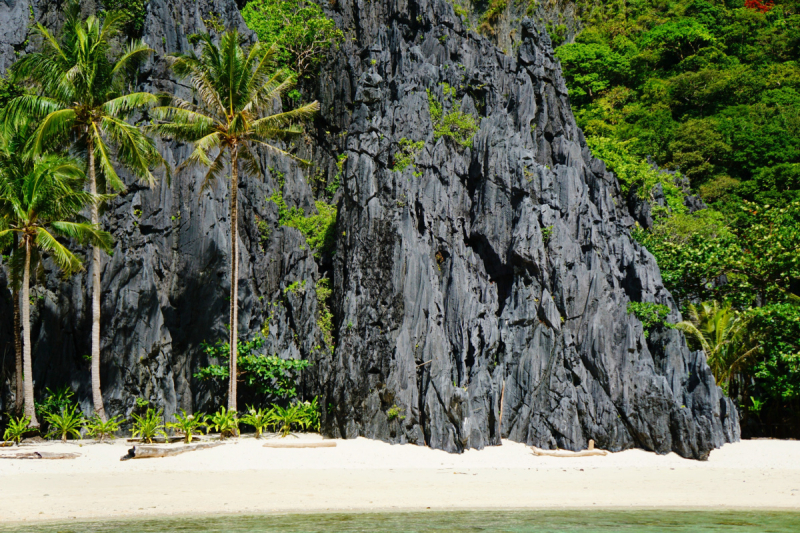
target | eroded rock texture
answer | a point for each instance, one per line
(497, 270)
(506, 262)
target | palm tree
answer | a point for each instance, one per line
(84, 98)
(40, 198)
(722, 333)
(236, 90)
(15, 282)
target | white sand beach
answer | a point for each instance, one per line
(242, 476)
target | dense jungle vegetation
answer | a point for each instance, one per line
(710, 89)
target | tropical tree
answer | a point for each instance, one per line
(723, 335)
(40, 198)
(237, 89)
(84, 96)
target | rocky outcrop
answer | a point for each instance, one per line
(488, 278)
(503, 266)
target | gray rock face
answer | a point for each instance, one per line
(492, 278)
(480, 282)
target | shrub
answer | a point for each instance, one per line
(99, 430)
(266, 375)
(650, 314)
(16, 429)
(260, 419)
(225, 422)
(188, 424)
(149, 426)
(55, 402)
(286, 418)
(311, 414)
(406, 154)
(319, 230)
(456, 125)
(68, 422)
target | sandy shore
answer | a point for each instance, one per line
(244, 477)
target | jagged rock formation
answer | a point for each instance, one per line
(505, 265)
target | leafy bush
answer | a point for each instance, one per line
(149, 426)
(260, 419)
(99, 430)
(319, 230)
(311, 414)
(286, 418)
(225, 422)
(16, 429)
(455, 125)
(299, 28)
(267, 376)
(135, 12)
(56, 402)
(68, 422)
(650, 314)
(188, 424)
(406, 154)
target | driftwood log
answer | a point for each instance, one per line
(566, 453)
(147, 451)
(40, 455)
(316, 444)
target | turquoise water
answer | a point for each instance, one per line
(479, 521)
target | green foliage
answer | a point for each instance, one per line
(16, 429)
(134, 11)
(324, 315)
(636, 174)
(288, 418)
(650, 314)
(723, 335)
(260, 419)
(149, 426)
(455, 125)
(56, 401)
(395, 412)
(188, 424)
(68, 422)
(97, 429)
(319, 230)
(406, 154)
(547, 233)
(266, 375)
(311, 414)
(299, 28)
(225, 422)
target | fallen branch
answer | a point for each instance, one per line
(149, 451)
(566, 453)
(40, 455)
(318, 444)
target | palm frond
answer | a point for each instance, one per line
(66, 260)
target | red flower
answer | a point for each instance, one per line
(758, 5)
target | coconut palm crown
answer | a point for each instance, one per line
(236, 90)
(83, 96)
(40, 200)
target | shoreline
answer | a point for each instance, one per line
(243, 478)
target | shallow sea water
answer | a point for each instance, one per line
(419, 522)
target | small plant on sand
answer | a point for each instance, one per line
(97, 429)
(285, 418)
(16, 429)
(188, 425)
(259, 419)
(225, 422)
(68, 422)
(311, 414)
(149, 426)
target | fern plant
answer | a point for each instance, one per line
(98, 429)
(188, 424)
(259, 419)
(149, 426)
(16, 429)
(68, 422)
(225, 422)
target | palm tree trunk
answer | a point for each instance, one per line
(234, 279)
(30, 410)
(97, 394)
(19, 404)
